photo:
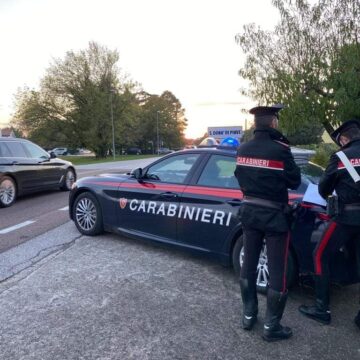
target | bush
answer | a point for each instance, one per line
(323, 152)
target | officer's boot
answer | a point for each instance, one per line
(357, 320)
(273, 330)
(320, 311)
(250, 303)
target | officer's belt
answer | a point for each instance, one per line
(352, 206)
(263, 202)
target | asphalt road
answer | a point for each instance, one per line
(36, 214)
(67, 296)
(113, 298)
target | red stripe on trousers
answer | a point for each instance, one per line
(324, 241)
(286, 260)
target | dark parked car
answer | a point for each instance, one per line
(26, 168)
(191, 199)
(133, 151)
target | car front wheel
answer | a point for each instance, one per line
(262, 279)
(7, 191)
(87, 214)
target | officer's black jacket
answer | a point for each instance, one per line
(337, 178)
(265, 169)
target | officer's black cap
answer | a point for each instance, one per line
(347, 125)
(260, 111)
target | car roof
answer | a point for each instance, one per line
(214, 150)
(301, 156)
(9, 138)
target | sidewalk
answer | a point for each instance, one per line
(108, 297)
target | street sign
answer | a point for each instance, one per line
(225, 131)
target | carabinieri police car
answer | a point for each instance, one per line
(191, 199)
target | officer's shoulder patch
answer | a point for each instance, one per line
(282, 143)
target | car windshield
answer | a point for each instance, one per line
(311, 173)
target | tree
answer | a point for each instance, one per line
(164, 116)
(174, 123)
(81, 95)
(310, 62)
(34, 119)
(345, 78)
(74, 101)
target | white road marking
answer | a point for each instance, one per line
(64, 208)
(15, 227)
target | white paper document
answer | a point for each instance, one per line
(312, 195)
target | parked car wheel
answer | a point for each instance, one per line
(68, 181)
(87, 214)
(262, 280)
(7, 191)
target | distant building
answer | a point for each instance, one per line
(7, 132)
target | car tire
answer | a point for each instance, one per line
(8, 191)
(87, 214)
(262, 270)
(69, 179)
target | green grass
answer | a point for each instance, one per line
(85, 160)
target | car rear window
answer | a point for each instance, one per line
(15, 149)
(4, 150)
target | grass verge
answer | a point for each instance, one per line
(85, 160)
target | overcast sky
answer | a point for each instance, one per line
(184, 46)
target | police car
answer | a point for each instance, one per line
(191, 199)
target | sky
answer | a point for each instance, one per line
(185, 46)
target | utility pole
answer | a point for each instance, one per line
(157, 130)
(112, 121)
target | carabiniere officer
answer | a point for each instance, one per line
(265, 169)
(345, 225)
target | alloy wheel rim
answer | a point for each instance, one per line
(262, 278)
(86, 214)
(7, 192)
(70, 179)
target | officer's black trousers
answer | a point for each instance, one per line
(277, 245)
(335, 236)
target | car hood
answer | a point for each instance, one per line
(102, 179)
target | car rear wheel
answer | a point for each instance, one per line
(68, 181)
(262, 279)
(7, 191)
(87, 214)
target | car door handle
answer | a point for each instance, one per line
(14, 163)
(234, 202)
(168, 195)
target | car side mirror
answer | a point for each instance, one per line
(52, 155)
(137, 173)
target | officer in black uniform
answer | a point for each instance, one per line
(265, 169)
(345, 225)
